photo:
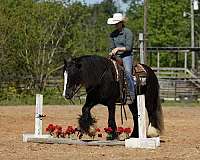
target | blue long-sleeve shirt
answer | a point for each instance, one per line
(122, 39)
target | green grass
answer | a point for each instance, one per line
(180, 104)
(30, 100)
(50, 97)
(53, 97)
(59, 100)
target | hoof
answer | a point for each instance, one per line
(152, 132)
(85, 122)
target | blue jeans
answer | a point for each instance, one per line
(128, 66)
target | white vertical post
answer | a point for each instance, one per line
(142, 141)
(192, 32)
(38, 114)
(141, 39)
(158, 63)
(141, 116)
(185, 63)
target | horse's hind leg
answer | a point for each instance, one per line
(134, 111)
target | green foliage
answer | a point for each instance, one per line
(166, 24)
(52, 96)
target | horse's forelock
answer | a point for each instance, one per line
(68, 60)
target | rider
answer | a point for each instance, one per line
(121, 45)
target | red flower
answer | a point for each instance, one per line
(70, 130)
(108, 130)
(120, 130)
(58, 127)
(50, 128)
(98, 130)
(58, 131)
(127, 130)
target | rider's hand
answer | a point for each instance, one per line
(114, 51)
(110, 54)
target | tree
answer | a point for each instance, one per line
(166, 24)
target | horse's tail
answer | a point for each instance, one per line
(153, 104)
(156, 121)
(159, 115)
(159, 120)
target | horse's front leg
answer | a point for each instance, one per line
(86, 120)
(111, 121)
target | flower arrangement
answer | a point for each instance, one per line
(70, 131)
(127, 132)
(74, 133)
(109, 133)
(58, 131)
(50, 129)
(98, 130)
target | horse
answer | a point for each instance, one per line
(98, 75)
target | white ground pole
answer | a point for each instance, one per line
(142, 141)
(38, 120)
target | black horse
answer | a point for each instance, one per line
(98, 75)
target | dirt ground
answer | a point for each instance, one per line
(181, 139)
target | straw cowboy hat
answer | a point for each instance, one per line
(117, 17)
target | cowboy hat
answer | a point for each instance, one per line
(117, 17)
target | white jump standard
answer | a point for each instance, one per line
(142, 141)
(38, 121)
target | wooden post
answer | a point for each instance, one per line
(145, 29)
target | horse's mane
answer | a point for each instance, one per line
(93, 67)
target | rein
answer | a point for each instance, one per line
(120, 63)
(76, 91)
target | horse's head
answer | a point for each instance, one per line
(72, 78)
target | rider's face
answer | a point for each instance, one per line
(119, 25)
